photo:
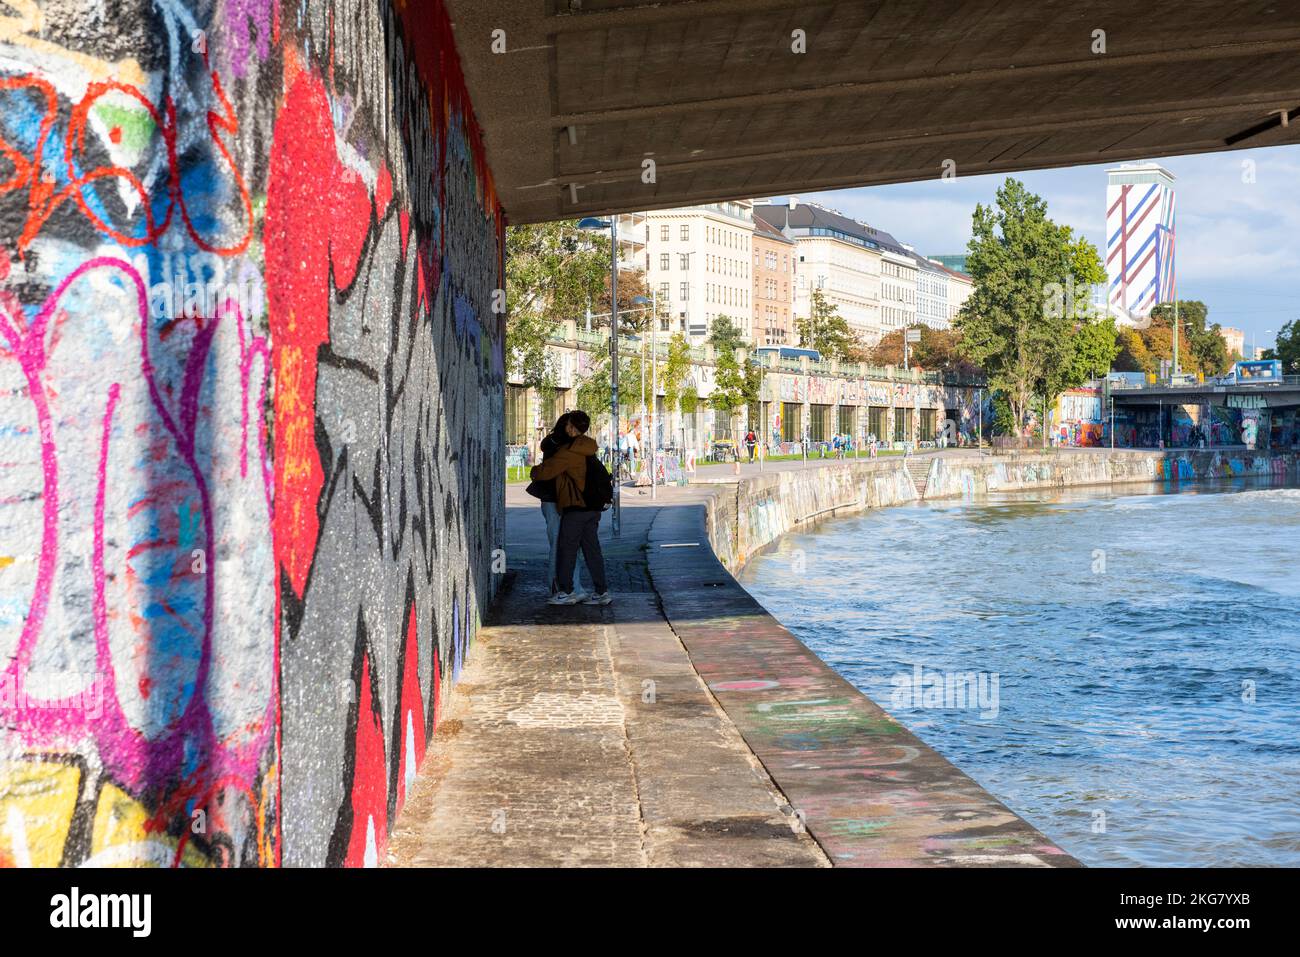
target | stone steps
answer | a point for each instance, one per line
(919, 470)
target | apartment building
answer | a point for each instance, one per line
(836, 255)
(931, 293)
(898, 271)
(960, 287)
(1233, 339)
(699, 264)
(774, 281)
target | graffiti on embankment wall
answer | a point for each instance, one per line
(250, 378)
(744, 517)
(964, 478)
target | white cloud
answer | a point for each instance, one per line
(1238, 242)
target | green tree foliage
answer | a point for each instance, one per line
(1028, 312)
(1095, 347)
(595, 387)
(555, 269)
(730, 393)
(825, 330)
(726, 335)
(558, 271)
(1287, 349)
(527, 356)
(673, 374)
(753, 388)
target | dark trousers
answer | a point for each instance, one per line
(578, 530)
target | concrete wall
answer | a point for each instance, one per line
(250, 394)
(746, 516)
(949, 478)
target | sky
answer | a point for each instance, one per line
(1238, 242)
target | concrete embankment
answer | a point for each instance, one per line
(751, 512)
(869, 792)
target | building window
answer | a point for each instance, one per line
(516, 424)
(663, 233)
(684, 261)
(819, 419)
(902, 425)
(665, 261)
(876, 418)
(684, 292)
(927, 425)
(663, 291)
(686, 233)
(848, 424)
(791, 422)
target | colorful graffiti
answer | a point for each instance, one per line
(247, 446)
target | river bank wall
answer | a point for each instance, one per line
(868, 791)
(750, 513)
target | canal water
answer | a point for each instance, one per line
(1122, 670)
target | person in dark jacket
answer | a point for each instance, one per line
(579, 525)
(558, 438)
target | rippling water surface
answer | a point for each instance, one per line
(1147, 710)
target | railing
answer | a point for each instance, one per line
(1119, 385)
(598, 340)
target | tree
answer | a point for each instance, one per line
(632, 317)
(1201, 347)
(674, 376)
(825, 330)
(1024, 265)
(559, 271)
(1287, 349)
(754, 373)
(1211, 351)
(726, 335)
(938, 350)
(729, 387)
(595, 388)
(1095, 347)
(1134, 356)
(555, 269)
(527, 355)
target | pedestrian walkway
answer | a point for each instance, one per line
(584, 736)
(682, 725)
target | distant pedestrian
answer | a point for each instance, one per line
(751, 443)
(575, 470)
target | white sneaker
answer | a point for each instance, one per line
(566, 598)
(598, 598)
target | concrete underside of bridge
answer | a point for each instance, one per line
(714, 93)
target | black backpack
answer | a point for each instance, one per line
(599, 492)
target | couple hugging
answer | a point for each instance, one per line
(575, 488)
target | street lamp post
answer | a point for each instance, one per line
(653, 437)
(597, 224)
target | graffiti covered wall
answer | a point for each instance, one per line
(250, 395)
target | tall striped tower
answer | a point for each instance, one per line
(1139, 239)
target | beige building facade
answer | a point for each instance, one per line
(698, 264)
(774, 284)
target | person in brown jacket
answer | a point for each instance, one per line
(579, 526)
